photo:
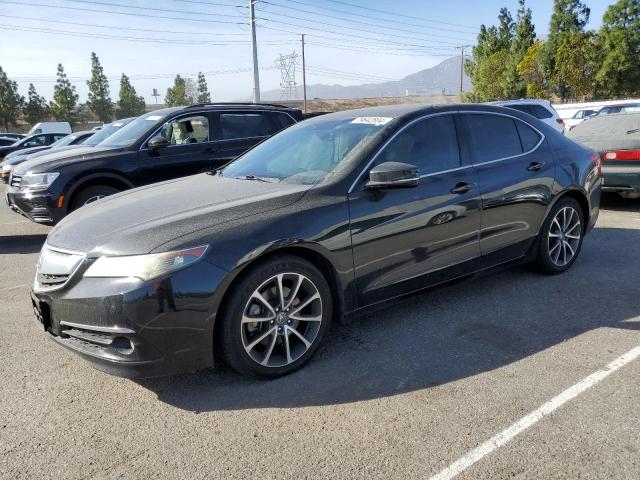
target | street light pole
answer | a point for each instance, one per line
(304, 77)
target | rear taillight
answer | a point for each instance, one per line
(560, 121)
(622, 155)
(597, 161)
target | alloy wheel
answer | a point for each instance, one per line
(95, 198)
(281, 319)
(564, 236)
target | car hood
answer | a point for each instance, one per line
(18, 156)
(142, 220)
(61, 157)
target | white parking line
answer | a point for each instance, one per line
(13, 288)
(525, 422)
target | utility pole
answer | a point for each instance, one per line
(254, 48)
(461, 68)
(304, 77)
(462, 47)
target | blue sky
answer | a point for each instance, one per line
(157, 39)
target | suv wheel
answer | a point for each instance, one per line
(275, 318)
(561, 237)
(92, 194)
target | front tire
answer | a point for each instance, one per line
(92, 194)
(275, 318)
(561, 236)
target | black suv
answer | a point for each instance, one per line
(157, 146)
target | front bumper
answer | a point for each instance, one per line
(621, 177)
(130, 328)
(37, 206)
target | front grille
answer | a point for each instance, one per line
(49, 280)
(15, 180)
(55, 268)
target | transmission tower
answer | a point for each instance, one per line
(287, 65)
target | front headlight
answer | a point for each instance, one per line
(38, 181)
(145, 267)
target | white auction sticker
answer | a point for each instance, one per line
(378, 121)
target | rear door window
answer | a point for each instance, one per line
(244, 125)
(528, 136)
(282, 120)
(539, 111)
(430, 144)
(492, 137)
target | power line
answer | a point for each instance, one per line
(361, 15)
(397, 14)
(146, 15)
(104, 36)
(359, 21)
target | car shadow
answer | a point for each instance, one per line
(440, 335)
(22, 244)
(613, 201)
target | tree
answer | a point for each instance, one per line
(203, 90)
(191, 90)
(569, 16)
(493, 44)
(129, 103)
(524, 36)
(177, 95)
(576, 65)
(531, 70)
(99, 100)
(10, 100)
(65, 98)
(36, 108)
(619, 42)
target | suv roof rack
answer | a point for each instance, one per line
(240, 104)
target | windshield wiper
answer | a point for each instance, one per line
(253, 177)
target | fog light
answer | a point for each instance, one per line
(122, 344)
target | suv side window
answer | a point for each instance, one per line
(430, 144)
(36, 141)
(187, 130)
(282, 120)
(57, 137)
(244, 125)
(492, 137)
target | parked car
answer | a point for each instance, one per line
(37, 140)
(331, 216)
(157, 146)
(541, 109)
(621, 108)
(14, 136)
(14, 158)
(50, 127)
(579, 117)
(617, 138)
(4, 141)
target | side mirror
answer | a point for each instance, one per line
(393, 175)
(158, 142)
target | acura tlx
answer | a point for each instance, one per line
(250, 264)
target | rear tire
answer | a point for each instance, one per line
(291, 303)
(560, 238)
(91, 194)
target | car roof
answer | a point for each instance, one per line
(531, 101)
(232, 105)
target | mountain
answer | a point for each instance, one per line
(431, 81)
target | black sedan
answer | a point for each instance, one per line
(249, 265)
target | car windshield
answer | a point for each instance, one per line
(131, 133)
(105, 132)
(307, 152)
(64, 141)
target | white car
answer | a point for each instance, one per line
(579, 117)
(541, 109)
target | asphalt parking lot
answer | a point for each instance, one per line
(405, 392)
